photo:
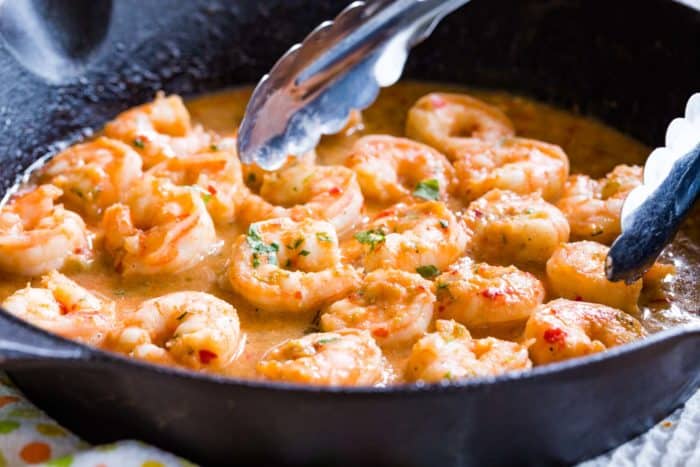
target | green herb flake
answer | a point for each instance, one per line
(428, 190)
(372, 238)
(327, 340)
(444, 224)
(182, 316)
(251, 178)
(288, 263)
(138, 142)
(323, 237)
(428, 271)
(295, 245)
(260, 248)
(214, 147)
(77, 192)
(120, 292)
(304, 252)
(442, 285)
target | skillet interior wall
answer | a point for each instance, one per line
(626, 62)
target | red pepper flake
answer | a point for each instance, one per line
(492, 292)
(297, 295)
(578, 298)
(206, 356)
(211, 189)
(555, 336)
(441, 308)
(380, 332)
(384, 213)
(437, 101)
(477, 213)
(335, 191)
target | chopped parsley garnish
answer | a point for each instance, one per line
(444, 224)
(372, 238)
(206, 196)
(120, 292)
(442, 285)
(323, 237)
(138, 142)
(304, 252)
(251, 178)
(428, 190)
(182, 316)
(260, 248)
(327, 340)
(214, 147)
(428, 271)
(295, 245)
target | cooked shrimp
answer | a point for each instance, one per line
(194, 329)
(389, 169)
(159, 130)
(516, 164)
(593, 206)
(506, 228)
(162, 228)
(424, 238)
(217, 175)
(301, 191)
(37, 235)
(348, 357)
(287, 266)
(253, 174)
(478, 294)
(450, 353)
(93, 175)
(63, 307)
(456, 124)
(577, 271)
(564, 329)
(395, 306)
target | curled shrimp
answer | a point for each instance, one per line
(424, 237)
(396, 307)
(593, 206)
(450, 353)
(479, 295)
(301, 191)
(194, 329)
(37, 235)
(456, 124)
(217, 175)
(564, 329)
(63, 307)
(516, 164)
(389, 169)
(348, 357)
(287, 266)
(577, 271)
(93, 175)
(159, 130)
(506, 228)
(163, 228)
(253, 174)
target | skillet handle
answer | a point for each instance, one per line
(23, 345)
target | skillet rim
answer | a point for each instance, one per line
(93, 355)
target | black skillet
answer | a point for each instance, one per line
(631, 63)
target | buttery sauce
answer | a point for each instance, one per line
(592, 148)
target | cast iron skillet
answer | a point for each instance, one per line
(630, 63)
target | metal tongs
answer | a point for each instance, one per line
(343, 63)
